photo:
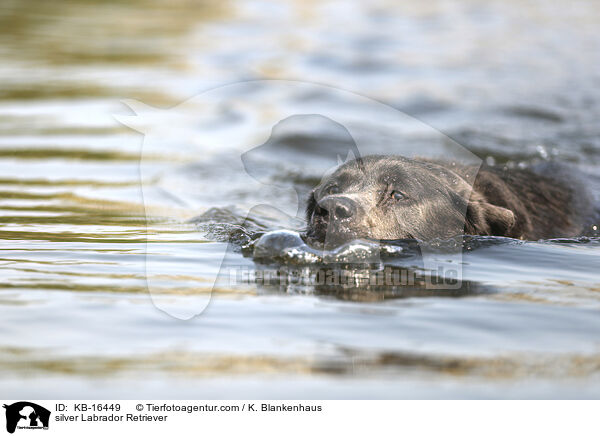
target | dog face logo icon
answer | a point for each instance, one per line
(251, 131)
(26, 415)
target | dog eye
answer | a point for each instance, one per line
(397, 195)
(332, 190)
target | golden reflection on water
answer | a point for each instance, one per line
(62, 45)
(180, 363)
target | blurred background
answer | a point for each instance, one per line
(515, 81)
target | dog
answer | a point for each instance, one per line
(393, 197)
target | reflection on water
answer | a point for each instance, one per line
(75, 237)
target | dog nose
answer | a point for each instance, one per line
(340, 208)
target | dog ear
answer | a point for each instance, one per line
(310, 206)
(484, 218)
(500, 219)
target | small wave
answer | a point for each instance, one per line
(290, 247)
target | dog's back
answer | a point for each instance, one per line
(548, 201)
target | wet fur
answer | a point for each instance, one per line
(516, 203)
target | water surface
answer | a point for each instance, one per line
(516, 82)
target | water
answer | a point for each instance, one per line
(514, 81)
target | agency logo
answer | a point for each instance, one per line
(26, 415)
